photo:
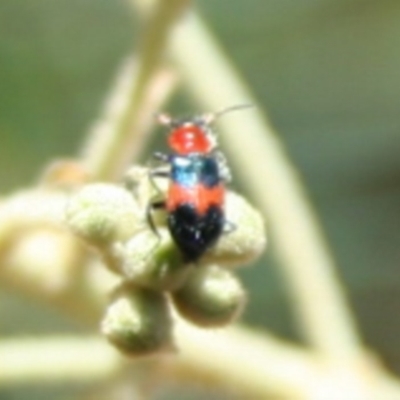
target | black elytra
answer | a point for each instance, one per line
(195, 233)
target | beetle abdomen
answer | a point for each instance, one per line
(194, 233)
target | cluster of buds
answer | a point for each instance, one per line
(154, 277)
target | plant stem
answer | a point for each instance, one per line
(56, 359)
(259, 366)
(259, 156)
(140, 90)
(278, 368)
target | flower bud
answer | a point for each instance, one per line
(102, 213)
(152, 261)
(137, 321)
(212, 296)
(245, 240)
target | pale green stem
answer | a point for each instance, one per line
(111, 150)
(259, 157)
(257, 366)
(56, 359)
(277, 369)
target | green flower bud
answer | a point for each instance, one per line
(152, 261)
(212, 296)
(247, 238)
(137, 321)
(102, 213)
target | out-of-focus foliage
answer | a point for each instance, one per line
(57, 59)
(326, 70)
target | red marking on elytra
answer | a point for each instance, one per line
(200, 197)
(190, 138)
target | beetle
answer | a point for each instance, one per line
(197, 174)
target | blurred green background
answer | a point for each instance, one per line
(327, 71)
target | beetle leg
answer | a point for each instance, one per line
(165, 158)
(224, 171)
(229, 227)
(154, 205)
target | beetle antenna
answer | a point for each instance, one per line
(211, 117)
